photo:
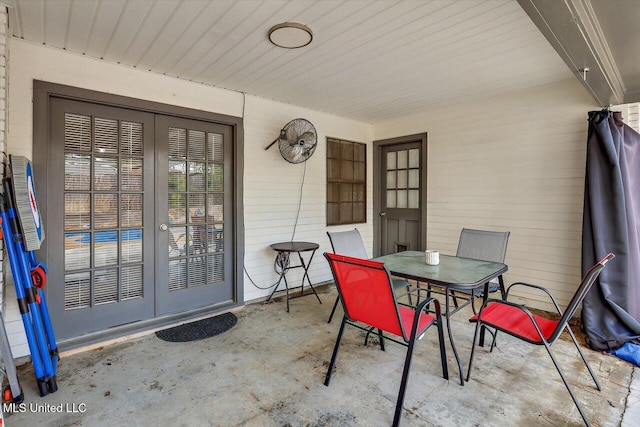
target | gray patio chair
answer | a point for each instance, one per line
(485, 246)
(350, 243)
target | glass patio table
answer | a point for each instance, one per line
(452, 273)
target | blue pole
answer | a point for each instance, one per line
(36, 359)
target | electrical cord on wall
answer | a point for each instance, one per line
(282, 260)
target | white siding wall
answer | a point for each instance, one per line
(271, 185)
(630, 114)
(514, 162)
(272, 189)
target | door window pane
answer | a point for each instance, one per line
(414, 158)
(391, 161)
(414, 178)
(414, 199)
(77, 172)
(391, 199)
(402, 159)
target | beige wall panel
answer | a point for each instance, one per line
(510, 163)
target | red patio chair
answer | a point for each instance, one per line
(517, 321)
(366, 291)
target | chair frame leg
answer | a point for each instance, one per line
(566, 384)
(584, 359)
(403, 382)
(334, 356)
(333, 310)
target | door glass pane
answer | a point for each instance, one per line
(402, 198)
(105, 286)
(105, 248)
(131, 174)
(215, 177)
(131, 210)
(76, 248)
(131, 138)
(131, 246)
(131, 279)
(414, 158)
(414, 199)
(215, 268)
(402, 179)
(77, 211)
(214, 149)
(196, 176)
(177, 242)
(196, 144)
(105, 210)
(77, 172)
(391, 199)
(177, 175)
(402, 159)
(391, 179)
(215, 207)
(414, 178)
(391, 161)
(77, 132)
(177, 143)
(105, 173)
(106, 135)
(77, 290)
(177, 275)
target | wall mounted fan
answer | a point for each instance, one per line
(297, 141)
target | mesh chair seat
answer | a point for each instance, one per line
(407, 314)
(515, 321)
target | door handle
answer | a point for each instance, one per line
(383, 214)
(163, 227)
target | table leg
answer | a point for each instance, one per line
(286, 285)
(275, 288)
(453, 345)
(306, 274)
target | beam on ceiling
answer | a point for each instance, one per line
(572, 28)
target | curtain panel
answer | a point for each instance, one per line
(611, 223)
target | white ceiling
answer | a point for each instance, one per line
(369, 60)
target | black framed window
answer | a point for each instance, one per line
(346, 182)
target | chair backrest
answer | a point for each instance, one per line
(348, 243)
(366, 292)
(483, 245)
(587, 281)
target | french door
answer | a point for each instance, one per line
(193, 211)
(137, 208)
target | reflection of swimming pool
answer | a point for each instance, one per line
(106, 236)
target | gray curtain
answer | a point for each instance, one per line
(611, 223)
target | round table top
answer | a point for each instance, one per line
(294, 246)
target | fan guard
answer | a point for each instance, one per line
(297, 141)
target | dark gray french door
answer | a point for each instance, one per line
(137, 208)
(401, 196)
(193, 211)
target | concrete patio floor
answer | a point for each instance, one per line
(269, 369)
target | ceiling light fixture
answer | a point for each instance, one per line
(290, 35)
